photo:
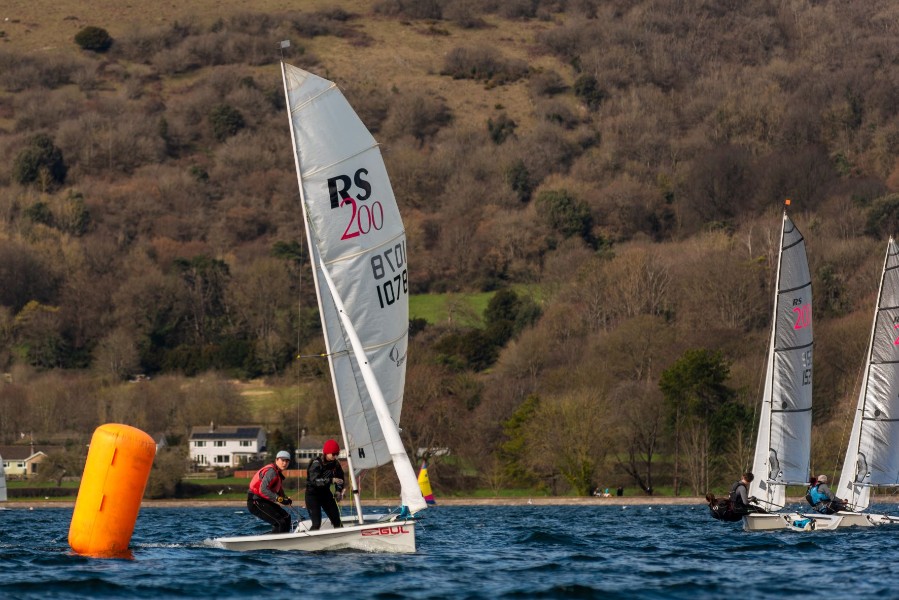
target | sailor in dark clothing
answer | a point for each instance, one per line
(322, 471)
(737, 504)
(267, 491)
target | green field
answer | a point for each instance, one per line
(465, 309)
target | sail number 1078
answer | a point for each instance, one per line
(391, 276)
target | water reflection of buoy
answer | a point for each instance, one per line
(115, 475)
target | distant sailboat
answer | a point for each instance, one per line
(783, 445)
(2, 481)
(872, 456)
(424, 482)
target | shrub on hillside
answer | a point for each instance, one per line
(417, 115)
(225, 121)
(483, 63)
(566, 214)
(520, 180)
(547, 83)
(588, 90)
(501, 129)
(95, 39)
(411, 9)
(40, 161)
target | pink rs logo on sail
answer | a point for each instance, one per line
(896, 341)
(392, 530)
(803, 314)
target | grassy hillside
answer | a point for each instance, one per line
(628, 159)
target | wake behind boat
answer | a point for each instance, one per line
(357, 247)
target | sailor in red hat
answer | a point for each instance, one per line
(324, 470)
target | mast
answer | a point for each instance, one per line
(315, 260)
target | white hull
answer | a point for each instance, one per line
(851, 519)
(388, 536)
(776, 521)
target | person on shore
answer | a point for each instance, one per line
(267, 492)
(822, 498)
(324, 470)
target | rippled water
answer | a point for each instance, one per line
(464, 552)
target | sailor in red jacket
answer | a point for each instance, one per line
(267, 491)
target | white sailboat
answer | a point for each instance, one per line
(872, 456)
(783, 445)
(357, 245)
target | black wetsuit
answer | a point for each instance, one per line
(319, 476)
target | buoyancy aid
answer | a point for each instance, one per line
(276, 485)
(734, 496)
(814, 496)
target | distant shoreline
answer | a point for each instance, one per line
(518, 501)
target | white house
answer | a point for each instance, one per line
(20, 462)
(226, 445)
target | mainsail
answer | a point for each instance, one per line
(783, 444)
(358, 251)
(872, 457)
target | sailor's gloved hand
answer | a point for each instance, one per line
(337, 481)
(753, 499)
(285, 501)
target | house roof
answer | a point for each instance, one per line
(225, 432)
(315, 442)
(23, 452)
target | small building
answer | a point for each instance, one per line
(226, 445)
(310, 446)
(21, 461)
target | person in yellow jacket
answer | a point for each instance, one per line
(267, 492)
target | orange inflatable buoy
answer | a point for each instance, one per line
(115, 475)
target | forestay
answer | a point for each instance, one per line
(356, 236)
(783, 444)
(872, 457)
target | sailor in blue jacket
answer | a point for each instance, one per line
(822, 498)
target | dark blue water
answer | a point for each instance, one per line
(464, 552)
